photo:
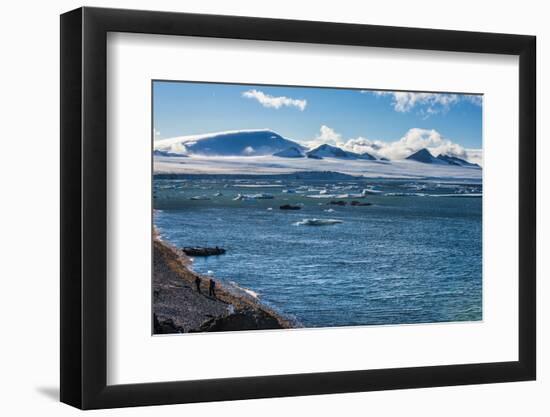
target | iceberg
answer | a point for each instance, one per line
(318, 222)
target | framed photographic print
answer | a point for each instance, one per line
(257, 208)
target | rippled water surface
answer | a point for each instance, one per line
(412, 256)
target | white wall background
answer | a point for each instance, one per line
(29, 297)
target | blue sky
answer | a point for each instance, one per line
(299, 113)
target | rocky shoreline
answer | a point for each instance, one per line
(179, 306)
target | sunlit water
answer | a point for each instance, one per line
(413, 256)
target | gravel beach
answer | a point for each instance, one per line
(178, 306)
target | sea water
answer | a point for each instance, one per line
(413, 256)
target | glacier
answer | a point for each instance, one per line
(272, 165)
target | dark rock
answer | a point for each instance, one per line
(337, 203)
(198, 251)
(289, 207)
(165, 326)
(241, 320)
(359, 203)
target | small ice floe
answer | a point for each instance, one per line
(367, 191)
(269, 208)
(463, 195)
(324, 191)
(416, 186)
(259, 196)
(258, 185)
(218, 195)
(289, 191)
(329, 210)
(328, 196)
(209, 272)
(318, 222)
(248, 291)
(445, 185)
(200, 197)
(405, 194)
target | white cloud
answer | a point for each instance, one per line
(329, 135)
(434, 102)
(413, 140)
(475, 156)
(428, 103)
(326, 135)
(275, 102)
(362, 145)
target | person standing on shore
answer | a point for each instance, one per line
(211, 288)
(198, 284)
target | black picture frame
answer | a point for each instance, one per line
(84, 207)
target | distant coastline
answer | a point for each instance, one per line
(304, 175)
(178, 307)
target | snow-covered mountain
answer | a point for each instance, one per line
(453, 160)
(329, 151)
(231, 143)
(424, 156)
(158, 152)
(266, 152)
(292, 152)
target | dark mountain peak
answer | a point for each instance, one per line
(366, 155)
(423, 155)
(329, 151)
(454, 160)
